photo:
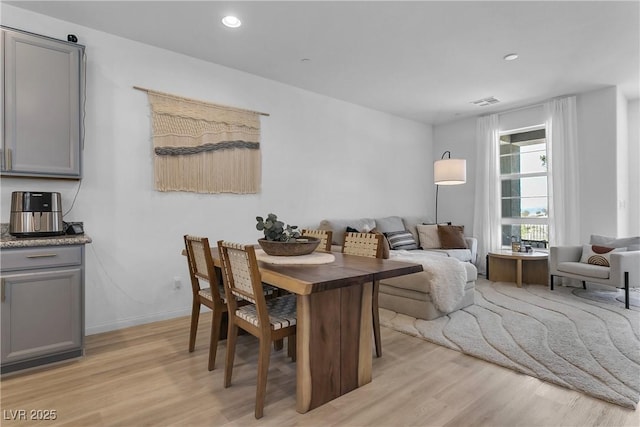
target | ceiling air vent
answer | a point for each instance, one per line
(485, 101)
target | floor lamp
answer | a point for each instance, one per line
(448, 172)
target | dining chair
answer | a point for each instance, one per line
(268, 320)
(201, 269)
(369, 245)
(325, 237)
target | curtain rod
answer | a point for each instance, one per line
(525, 107)
(198, 101)
(541, 104)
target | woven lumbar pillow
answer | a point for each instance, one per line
(598, 255)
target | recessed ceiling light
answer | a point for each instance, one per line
(510, 56)
(231, 21)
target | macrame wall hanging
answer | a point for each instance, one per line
(204, 148)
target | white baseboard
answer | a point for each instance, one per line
(134, 321)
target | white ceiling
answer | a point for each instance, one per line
(423, 60)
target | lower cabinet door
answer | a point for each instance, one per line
(41, 313)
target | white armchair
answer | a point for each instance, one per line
(623, 270)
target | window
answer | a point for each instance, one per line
(523, 178)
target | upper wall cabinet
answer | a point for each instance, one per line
(42, 106)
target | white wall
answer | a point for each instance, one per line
(321, 158)
(456, 202)
(622, 163)
(598, 131)
(633, 110)
(597, 139)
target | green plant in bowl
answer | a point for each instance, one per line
(283, 240)
(275, 230)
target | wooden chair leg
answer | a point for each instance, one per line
(215, 337)
(376, 319)
(278, 345)
(232, 335)
(263, 370)
(291, 347)
(195, 316)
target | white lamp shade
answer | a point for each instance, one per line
(450, 171)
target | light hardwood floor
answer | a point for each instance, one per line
(144, 376)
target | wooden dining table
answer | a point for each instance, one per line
(334, 321)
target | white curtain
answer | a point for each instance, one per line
(486, 219)
(562, 161)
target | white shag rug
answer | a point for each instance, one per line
(583, 344)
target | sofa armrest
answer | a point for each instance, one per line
(558, 254)
(625, 261)
(472, 244)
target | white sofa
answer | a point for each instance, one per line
(396, 223)
(411, 294)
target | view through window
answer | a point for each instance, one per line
(523, 176)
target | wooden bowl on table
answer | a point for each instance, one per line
(302, 246)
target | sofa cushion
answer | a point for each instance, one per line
(428, 236)
(598, 255)
(631, 243)
(582, 269)
(420, 282)
(420, 309)
(452, 236)
(401, 240)
(463, 255)
(389, 224)
(395, 286)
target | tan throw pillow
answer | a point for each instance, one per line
(452, 236)
(428, 236)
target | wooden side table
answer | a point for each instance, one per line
(518, 267)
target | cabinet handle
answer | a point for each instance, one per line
(42, 256)
(8, 160)
(2, 156)
(3, 294)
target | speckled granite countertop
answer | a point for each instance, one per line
(7, 242)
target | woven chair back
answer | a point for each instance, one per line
(241, 271)
(201, 266)
(325, 237)
(363, 244)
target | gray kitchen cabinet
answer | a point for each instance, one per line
(42, 100)
(42, 305)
